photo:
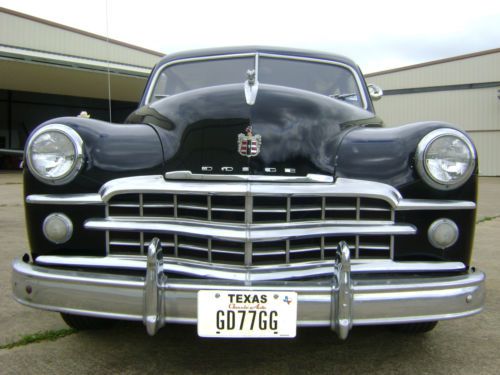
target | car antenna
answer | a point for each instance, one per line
(107, 56)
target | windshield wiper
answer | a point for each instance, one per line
(343, 96)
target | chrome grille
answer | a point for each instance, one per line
(244, 210)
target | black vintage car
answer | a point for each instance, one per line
(253, 191)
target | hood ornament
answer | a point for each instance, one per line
(249, 144)
(251, 87)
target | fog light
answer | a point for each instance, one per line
(443, 233)
(57, 228)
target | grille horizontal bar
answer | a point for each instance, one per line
(253, 232)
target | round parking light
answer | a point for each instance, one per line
(443, 233)
(57, 228)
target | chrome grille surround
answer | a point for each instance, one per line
(249, 186)
(250, 223)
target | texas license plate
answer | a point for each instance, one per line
(246, 314)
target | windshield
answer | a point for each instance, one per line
(328, 79)
(198, 74)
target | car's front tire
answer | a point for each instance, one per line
(414, 328)
(82, 323)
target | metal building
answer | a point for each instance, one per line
(49, 70)
(462, 90)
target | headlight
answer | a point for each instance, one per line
(445, 159)
(54, 154)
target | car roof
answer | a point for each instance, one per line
(256, 49)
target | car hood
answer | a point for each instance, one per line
(294, 132)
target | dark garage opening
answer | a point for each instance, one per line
(21, 112)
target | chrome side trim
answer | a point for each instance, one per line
(64, 199)
(251, 273)
(249, 232)
(188, 175)
(304, 186)
(428, 204)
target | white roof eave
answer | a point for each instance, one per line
(34, 56)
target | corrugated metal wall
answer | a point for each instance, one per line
(463, 92)
(23, 32)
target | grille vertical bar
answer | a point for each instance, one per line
(176, 237)
(209, 218)
(287, 245)
(106, 213)
(358, 216)
(141, 214)
(248, 220)
(323, 215)
(391, 241)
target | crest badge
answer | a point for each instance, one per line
(249, 144)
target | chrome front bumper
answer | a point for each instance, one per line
(346, 299)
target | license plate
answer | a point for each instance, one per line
(223, 313)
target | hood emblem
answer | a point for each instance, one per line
(249, 144)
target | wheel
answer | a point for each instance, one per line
(415, 327)
(82, 323)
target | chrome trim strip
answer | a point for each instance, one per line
(434, 204)
(290, 271)
(342, 187)
(374, 301)
(64, 199)
(251, 232)
(256, 67)
(188, 175)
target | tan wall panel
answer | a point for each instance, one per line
(468, 109)
(63, 81)
(22, 32)
(488, 144)
(477, 111)
(485, 68)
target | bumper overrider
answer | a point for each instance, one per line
(341, 301)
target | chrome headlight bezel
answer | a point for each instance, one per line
(77, 164)
(421, 155)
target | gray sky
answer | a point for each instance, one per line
(378, 34)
